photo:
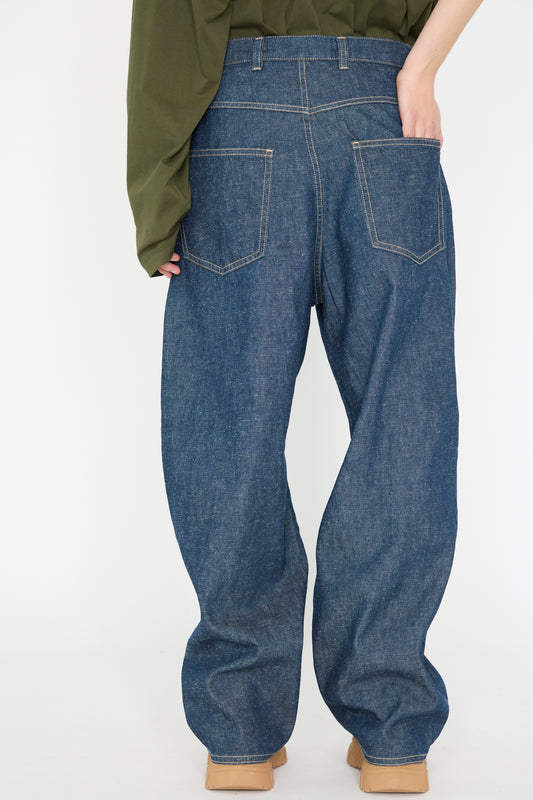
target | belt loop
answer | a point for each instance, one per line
(342, 52)
(257, 54)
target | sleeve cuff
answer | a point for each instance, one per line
(156, 256)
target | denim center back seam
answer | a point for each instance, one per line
(317, 255)
(255, 50)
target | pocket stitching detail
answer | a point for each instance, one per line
(371, 224)
(267, 155)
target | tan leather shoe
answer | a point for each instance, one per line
(397, 778)
(243, 776)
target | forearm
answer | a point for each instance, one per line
(445, 23)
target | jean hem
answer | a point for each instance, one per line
(252, 759)
(394, 761)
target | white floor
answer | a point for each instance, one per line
(81, 725)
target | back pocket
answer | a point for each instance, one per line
(402, 194)
(226, 225)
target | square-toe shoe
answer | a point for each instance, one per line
(244, 776)
(396, 778)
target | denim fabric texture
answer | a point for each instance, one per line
(305, 193)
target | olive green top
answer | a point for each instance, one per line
(176, 58)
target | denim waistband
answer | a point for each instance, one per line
(256, 49)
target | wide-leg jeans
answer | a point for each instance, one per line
(304, 192)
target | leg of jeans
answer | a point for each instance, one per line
(225, 406)
(386, 540)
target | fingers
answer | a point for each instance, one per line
(171, 267)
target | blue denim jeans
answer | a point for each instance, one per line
(305, 193)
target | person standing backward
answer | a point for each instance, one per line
(284, 154)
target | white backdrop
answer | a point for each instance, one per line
(96, 603)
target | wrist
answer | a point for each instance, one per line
(416, 69)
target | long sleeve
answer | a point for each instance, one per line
(177, 51)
